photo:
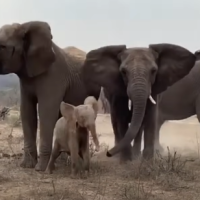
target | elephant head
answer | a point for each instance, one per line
(26, 49)
(145, 72)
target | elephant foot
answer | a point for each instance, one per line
(126, 155)
(148, 153)
(29, 160)
(85, 174)
(42, 163)
(63, 156)
(136, 155)
(50, 168)
(159, 148)
(136, 152)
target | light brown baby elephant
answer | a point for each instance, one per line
(71, 134)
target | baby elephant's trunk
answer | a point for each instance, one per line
(93, 102)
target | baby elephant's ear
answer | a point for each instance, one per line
(66, 109)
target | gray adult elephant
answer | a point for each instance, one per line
(138, 74)
(180, 101)
(75, 52)
(48, 75)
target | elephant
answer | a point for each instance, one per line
(68, 135)
(48, 75)
(180, 101)
(75, 52)
(138, 74)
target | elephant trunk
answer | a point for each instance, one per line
(138, 94)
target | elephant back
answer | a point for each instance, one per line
(75, 52)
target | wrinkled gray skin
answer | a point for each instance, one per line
(75, 52)
(48, 75)
(134, 74)
(180, 101)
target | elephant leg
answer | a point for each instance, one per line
(54, 155)
(85, 151)
(48, 114)
(158, 146)
(119, 127)
(28, 114)
(75, 159)
(197, 107)
(114, 125)
(113, 116)
(120, 118)
(149, 130)
(137, 144)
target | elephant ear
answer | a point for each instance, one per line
(38, 49)
(101, 67)
(67, 110)
(174, 62)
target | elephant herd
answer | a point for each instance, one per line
(49, 75)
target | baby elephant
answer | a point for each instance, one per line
(71, 134)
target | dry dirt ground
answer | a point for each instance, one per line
(170, 176)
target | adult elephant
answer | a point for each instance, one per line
(138, 74)
(48, 75)
(180, 101)
(75, 52)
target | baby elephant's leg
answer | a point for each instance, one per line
(54, 155)
(85, 150)
(86, 158)
(92, 129)
(74, 150)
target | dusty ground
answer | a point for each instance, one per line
(169, 177)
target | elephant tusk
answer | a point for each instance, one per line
(152, 100)
(129, 104)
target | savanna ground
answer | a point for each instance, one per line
(170, 176)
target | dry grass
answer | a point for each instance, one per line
(169, 176)
(14, 120)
